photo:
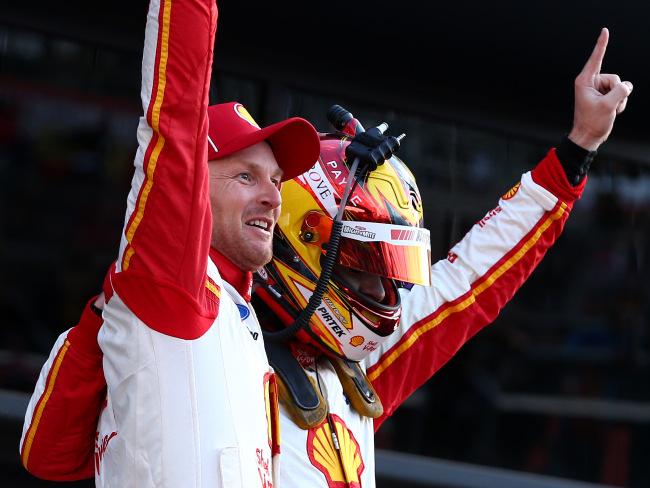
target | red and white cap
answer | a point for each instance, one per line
(294, 141)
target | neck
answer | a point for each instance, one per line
(240, 280)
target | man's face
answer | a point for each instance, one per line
(245, 201)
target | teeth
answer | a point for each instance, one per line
(259, 223)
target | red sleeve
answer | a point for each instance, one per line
(462, 300)
(161, 269)
(550, 174)
(59, 440)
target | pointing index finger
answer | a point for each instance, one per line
(595, 61)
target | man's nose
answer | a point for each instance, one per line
(270, 195)
(371, 285)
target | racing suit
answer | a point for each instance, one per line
(187, 377)
(469, 288)
(479, 276)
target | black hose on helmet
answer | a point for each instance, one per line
(374, 149)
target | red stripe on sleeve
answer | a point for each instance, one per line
(163, 277)
(434, 344)
(60, 443)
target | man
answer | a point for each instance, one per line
(482, 272)
(328, 420)
(189, 390)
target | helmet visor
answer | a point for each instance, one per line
(398, 252)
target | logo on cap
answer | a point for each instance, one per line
(243, 114)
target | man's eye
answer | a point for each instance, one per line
(245, 176)
(276, 182)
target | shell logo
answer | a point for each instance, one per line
(512, 192)
(342, 471)
(241, 111)
(356, 341)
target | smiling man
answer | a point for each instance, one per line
(189, 388)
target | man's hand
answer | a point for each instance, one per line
(599, 97)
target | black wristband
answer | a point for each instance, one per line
(574, 159)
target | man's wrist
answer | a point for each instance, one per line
(575, 159)
(584, 139)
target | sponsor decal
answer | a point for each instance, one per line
(300, 285)
(331, 322)
(355, 200)
(336, 170)
(452, 256)
(304, 357)
(512, 192)
(263, 274)
(358, 230)
(341, 469)
(100, 449)
(264, 469)
(243, 114)
(481, 223)
(321, 187)
(356, 341)
(371, 346)
(395, 235)
(417, 235)
(243, 311)
(336, 311)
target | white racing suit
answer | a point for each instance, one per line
(479, 276)
(187, 377)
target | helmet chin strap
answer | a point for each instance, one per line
(372, 156)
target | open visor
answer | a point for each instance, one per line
(398, 252)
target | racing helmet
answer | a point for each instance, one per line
(382, 234)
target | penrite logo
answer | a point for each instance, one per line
(359, 231)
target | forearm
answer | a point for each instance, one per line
(480, 275)
(164, 248)
(58, 438)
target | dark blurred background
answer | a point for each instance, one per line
(558, 385)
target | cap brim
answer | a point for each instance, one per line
(294, 142)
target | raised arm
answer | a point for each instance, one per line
(163, 254)
(486, 268)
